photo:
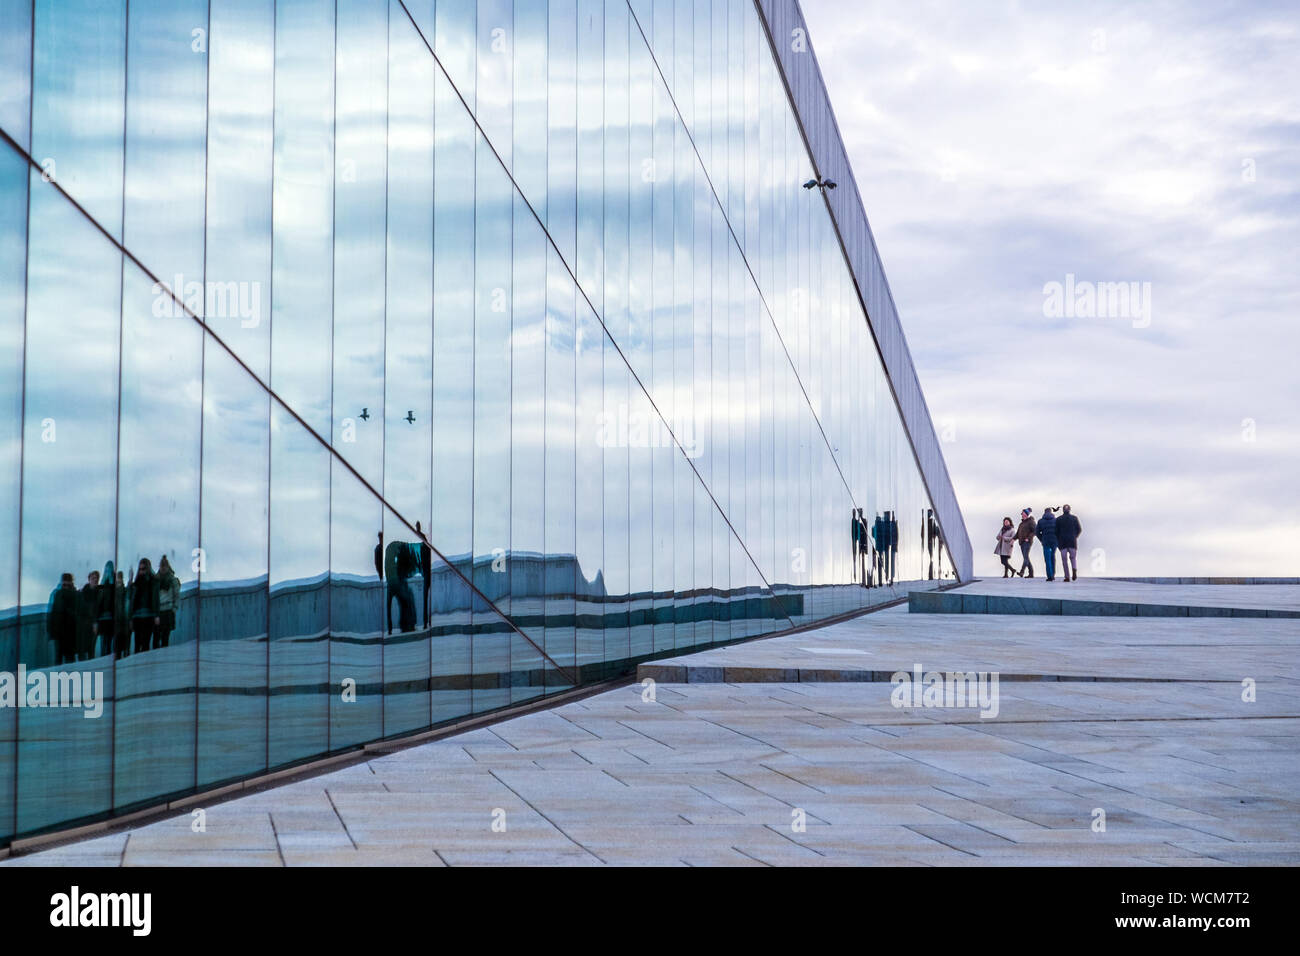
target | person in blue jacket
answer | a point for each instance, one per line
(1046, 532)
(1068, 530)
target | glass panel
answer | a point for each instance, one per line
(301, 366)
(69, 479)
(644, 424)
(16, 74)
(614, 434)
(241, 80)
(363, 574)
(492, 94)
(659, 543)
(493, 284)
(560, 338)
(589, 342)
(408, 367)
(453, 371)
(233, 536)
(685, 418)
(78, 86)
(13, 295)
(527, 565)
(157, 534)
(562, 573)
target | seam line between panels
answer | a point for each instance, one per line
(121, 338)
(270, 380)
(383, 432)
(329, 480)
(473, 349)
(203, 366)
(22, 422)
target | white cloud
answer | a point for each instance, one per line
(998, 148)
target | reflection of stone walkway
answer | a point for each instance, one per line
(721, 773)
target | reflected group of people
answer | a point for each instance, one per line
(875, 549)
(112, 613)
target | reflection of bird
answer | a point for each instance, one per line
(410, 416)
(365, 415)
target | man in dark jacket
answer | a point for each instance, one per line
(87, 608)
(61, 619)
(1068, 530)
(1025, 535)
(879, 532)
(893, 545)
(858, 534)
(1046, 532)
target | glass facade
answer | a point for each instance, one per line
(365, 366)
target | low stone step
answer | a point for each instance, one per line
(957, 602)
(677, 672)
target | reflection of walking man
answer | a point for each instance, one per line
(61, 619)
(878, 534)
(893, 545)
(87, 603)
(931, 539)
(859, 548)
(400, 562)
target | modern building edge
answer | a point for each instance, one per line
(453, 355)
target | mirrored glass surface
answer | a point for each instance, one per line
(408, 361)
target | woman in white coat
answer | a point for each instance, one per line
(1005, 542)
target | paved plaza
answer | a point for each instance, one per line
(1180, 735)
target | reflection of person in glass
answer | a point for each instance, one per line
(106, 616)
(169, 601)
(859, 533)
(87, 605)
(401, 560)
(893, 545)
(931, 539)
(144, 605)
(121, 626)
(878, 532)
(885, 533)
(61, 619)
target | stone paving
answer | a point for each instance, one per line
(765, 772)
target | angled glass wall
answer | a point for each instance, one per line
(370, 365)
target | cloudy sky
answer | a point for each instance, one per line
(1002, 146)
